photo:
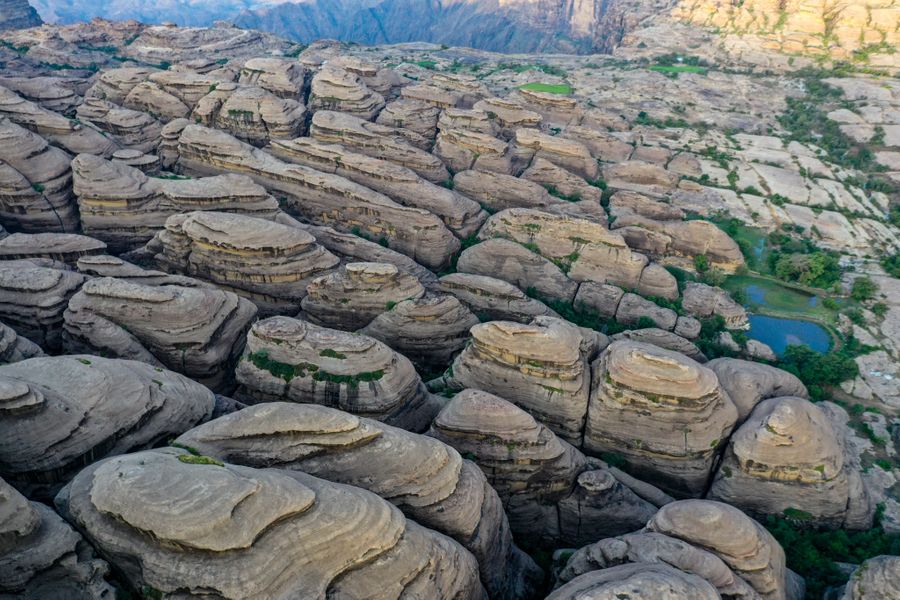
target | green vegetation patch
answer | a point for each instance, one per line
(261, 360)
(676, 69)
(200, 460)
(549, 88)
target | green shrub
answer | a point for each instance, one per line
(863, 289)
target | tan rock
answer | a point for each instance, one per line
(16, 348)
(250, 113)
(412, 115)
(749, 383)
(561, 182)
(283, 77)
(296, 361)
(704, 301)
(632, 308)
(463, 149)
(602, 146)
(493, 299)
(664, 413)
(566, 153)
(498, 191)
(508, 114)
(431, 94)
(666, 340)
(129, 128)
(875, 578)
(642, 177)
(657, 581)
(335, 89)
(63, 247)
(104, 265)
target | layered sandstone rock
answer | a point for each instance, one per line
(539, 367)
(250, 113)
(14, 347)
(588, 251)
(498, 191)
(704, 301)
(377, 141)
(788, 456)
(749, 383)
(196, 331)
(296, 361)
(426, 479)
(62, 247)
(461, 215)
(41, 556)
(669, 341)
(603, 146)
(33, 299)
(413, 115)
(294, 535)
(743, 544)
(641, 177)
(352, 296)
(429, 330)
(561, 182)
(566, 153)
(58, 414)
(632, 308)
(268, 263)
(493, 299)
(283, 77)
(340, 90)
(551, 494)
(320, 197)
(462, 149)
(53, 93)
(657, 581)
(877, 577)
(129, 128)
(105, 265)
(664, 413)
(508, 114)
(554, 109)
(35, 183)
(125, 208)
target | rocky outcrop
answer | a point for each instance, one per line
(18, 14)
(58, 414)
(669, 341)
(566, 153)
(376, 141)
(586, 250)
(41, 556)
(336, 89)
(352, 296)
(551, 493)
(125, 208)
(129, 128)
(508, 115)
(749, 383)
(62, 247)
(657, 581)
(413, 115)
(665, 414)
(111, 266)
(294, 535)
(283, 77)
(788, 458)
(743, 544)
(704, 301)
(562, 183)
(296, 361)
(322, 198)
(268, 263)
(197, 331)
(33, 299)
(539, 367)
(460, 214)
(493, 299)
(250, 113)
(35, 183)
(498, 191)
(430, 330)
(641, 177)
(426, 479)
(464, 149)
(877, 577)
(14, 347)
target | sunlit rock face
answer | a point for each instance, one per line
(667, 415)
(294, 535)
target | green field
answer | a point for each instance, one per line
(679, 69)
(766, 296)
(549, 88)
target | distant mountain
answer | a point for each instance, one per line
(499, 25)
(17, 14)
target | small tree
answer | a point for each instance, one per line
(863, 289)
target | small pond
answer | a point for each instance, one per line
(780, 333)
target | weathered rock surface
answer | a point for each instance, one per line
(42, 556)
(62, 247)
(250, 113)
(129, 128)
(641, 177)
(498, 191)
(550, 492)
(336, 89)
(566, 153)
(352, 296)
(292, 534)
(877, 577)
(33, 299)
(413, 115)
(430, 330)
(377, 141)
(125, 208)
(14, 347)
(669, 341)
(35, 183)
(111, 266)
(58, 414)
(322, 198)
(462, 149)
(426, 479)
(193, 330)
(283, 77)
(664, 413)
(268, 263)
(704, 301)
(561, 182)
(539, 367)
(657, 581)
(788, 456)
(493, 299)
(296, 361)
(461, 215)
(749, 383)
(18, 14)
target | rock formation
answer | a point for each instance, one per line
(14, 347)
(293, 535)
(551, 493)
(268, 263)
(129, 128)
(18, 14)
(875, 578)
(704, 301)
(193, 330)
(665, 414)
(427, 480)
(296, 361)
(539, 367)
(749, 383)
(493, 299)
(65, 248)
(58, 414)
(41, 556)
(250, 113)
(340, 90)
(656, 581)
